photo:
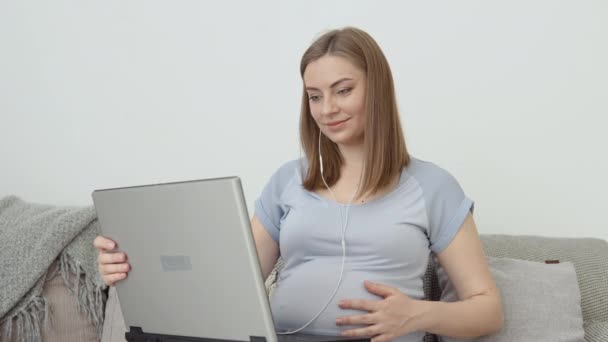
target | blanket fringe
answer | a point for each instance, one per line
(91, 296)
(25, 324)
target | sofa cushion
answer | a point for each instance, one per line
(596, 332)
(589, 256)
(541, 301)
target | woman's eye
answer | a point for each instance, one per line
(344, 91)
(313, 98)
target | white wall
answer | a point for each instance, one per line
(511, 97)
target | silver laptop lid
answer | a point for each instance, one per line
(195, 270)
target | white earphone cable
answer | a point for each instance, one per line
(344, 224)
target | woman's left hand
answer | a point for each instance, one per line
(386, 319)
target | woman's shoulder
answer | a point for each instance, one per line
(430, 176)
(293, 165)
(289, 169)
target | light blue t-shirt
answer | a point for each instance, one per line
(388, 240)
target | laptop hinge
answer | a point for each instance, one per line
(135, 334)
(257, 339)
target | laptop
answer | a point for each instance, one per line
(195, 273)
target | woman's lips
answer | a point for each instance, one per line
(335, 123)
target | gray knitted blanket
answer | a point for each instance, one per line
(32, 236)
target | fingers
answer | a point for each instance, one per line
(111, 279)
(359, 304)
(111, 258)
(113, 266)
(108, 269)
(380, 289)
(371, 330)
(103, 243)
(359, 319)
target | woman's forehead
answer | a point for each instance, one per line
(325, 71)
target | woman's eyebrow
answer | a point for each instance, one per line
(333, 84)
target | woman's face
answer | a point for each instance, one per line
(336, 94)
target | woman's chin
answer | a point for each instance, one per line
(346, 140)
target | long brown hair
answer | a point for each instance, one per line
(384, 145)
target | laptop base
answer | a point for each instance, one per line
(136, 334)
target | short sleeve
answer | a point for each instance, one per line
(269, 206)
(446, 204)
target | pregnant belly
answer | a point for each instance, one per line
(303, 292)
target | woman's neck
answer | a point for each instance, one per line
(353, 157)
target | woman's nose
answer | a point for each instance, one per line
(329, 106)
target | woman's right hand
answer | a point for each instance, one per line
(113, 266)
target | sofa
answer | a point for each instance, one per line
(589, 256)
